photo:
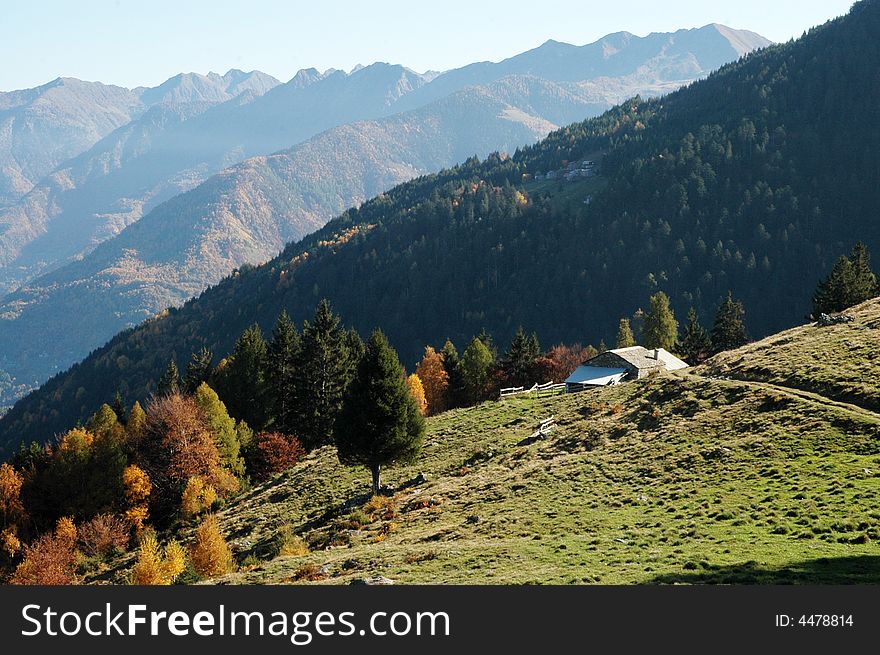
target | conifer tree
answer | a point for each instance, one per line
(625, 338)
(695, 344)
(137, 422)
(118, 408)
(850, 282)
(198, 369)
(281, 368)
(169, 383)
(488, 341)
(104, 421)
(324, 368)
(865, 283)
(519, 360)
(380, 423)
(455, 390)
(661, 328)
(242, 383)
(729, 331)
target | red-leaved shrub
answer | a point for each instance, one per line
(273, 453)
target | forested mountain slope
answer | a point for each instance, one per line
(245, 215)
(752, 180)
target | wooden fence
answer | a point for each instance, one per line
(544, 428)
(546, 389)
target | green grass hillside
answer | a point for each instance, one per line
(837, 361)
(675, 479)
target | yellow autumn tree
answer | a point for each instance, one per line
(10, 544)
(11, 508)
(137, 493)
(435, 380)
(155, 567)
(210, 554)
(418, 392)
(65, 531)
(197, 497)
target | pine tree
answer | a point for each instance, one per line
(380, 423)
(695, 344)
(118, 408)
(169, 383)
(242, 381)
(488, 341)
(850, 282)
(198, 369)
(281, 368)
(833, 293)
(865, 283)
(729, 331)
(455, 390)
(602, 347)
(476, 368)
(134, 428)
(324, 368)
(519, 360)
(625, 338)
(661, 328)
(104, 421)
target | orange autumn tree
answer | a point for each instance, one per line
(177, 445)
(51, 559)
(435, 380)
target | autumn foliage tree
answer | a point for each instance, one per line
(138, 488)
(222, 428)
(418, 393)
(210, 554)
(50, 560)
(157, 566)
(177, 445)
(435, 380)
(11, 507)
(102, 535)
(272, 453)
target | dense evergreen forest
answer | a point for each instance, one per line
(754, 181)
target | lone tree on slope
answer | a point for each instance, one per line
(729, 331)
(380, 423)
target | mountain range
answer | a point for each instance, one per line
(133, 224)
(751, 180)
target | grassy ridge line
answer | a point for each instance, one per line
(838, 362)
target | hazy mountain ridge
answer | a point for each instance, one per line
(246, 214)
(266, 116)
(44, 126)
(137, 167)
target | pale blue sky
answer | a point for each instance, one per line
(143, 42)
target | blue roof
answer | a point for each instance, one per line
(595, 375)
